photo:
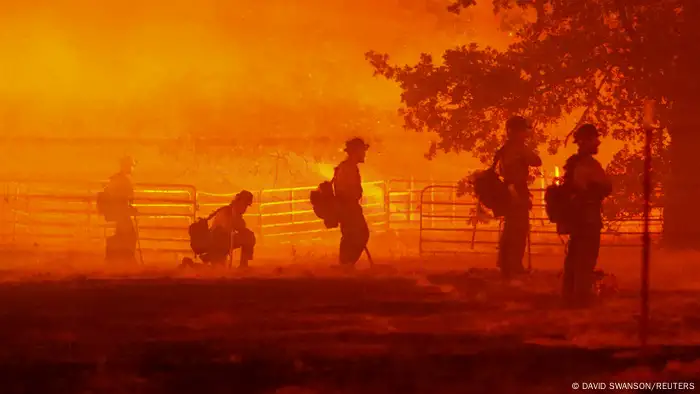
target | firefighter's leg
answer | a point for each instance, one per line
(219, 247)
(502, 250)
(123, 243)
(587, 260)
(130, 241)
(111, 250)
(354, 236)
(246, 241)
(570, 269)
(521, 224)
(513, 241)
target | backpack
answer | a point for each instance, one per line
(200, 237)
(490, 189)
(558, 200)
(324, 204)
(105, 205)
(558, 206)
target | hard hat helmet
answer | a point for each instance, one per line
(356, 144)
(584, 132)
(245, 197)
(127, 161)
(516, 124)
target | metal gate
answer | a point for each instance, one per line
(451, 224)
(50, 215)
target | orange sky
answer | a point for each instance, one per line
(77, 53)
(140, 68)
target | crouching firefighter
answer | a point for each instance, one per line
(229, 231)
(348, 195)
(115, 203)
(587, 186)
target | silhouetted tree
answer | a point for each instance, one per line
(627, 171)
(603, 56)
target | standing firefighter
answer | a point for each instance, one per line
(588, 184)
(515, 160)
(229, 231)
(348, 192)
(116, 204)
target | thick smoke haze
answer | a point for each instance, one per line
(75, 67)
(235, 70)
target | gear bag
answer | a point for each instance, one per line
(558, 205)
(490, 189)
(324, 204)
(106, 205)
(200, 237)
(559, 199)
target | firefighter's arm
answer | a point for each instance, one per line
(238, 223)
(532, 158)
(590, 173)
(601, 181)
(130, 193)
(211, 215)
(348, 182)
(513, 192)
(123, 191)
(131, 198)
(599, 174)
(522, 152)
(582, 176)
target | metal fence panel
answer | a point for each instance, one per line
(63, 215)
(455, 225)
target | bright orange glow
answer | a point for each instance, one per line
(326, 170)
(371, 191)
(238, 70)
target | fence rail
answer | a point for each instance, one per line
(449, 224)
(63, 215)
(53, 215)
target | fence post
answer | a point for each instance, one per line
(475, 222)
(260, 213)
(291, 206)
(432, 202)
(410, 200)
(195, 206)
(420, 222)
(28, 212)
(15, 205)
(543, 209)
(454, 204)
(387, 206)
(88, 227)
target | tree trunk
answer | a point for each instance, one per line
(682, 190)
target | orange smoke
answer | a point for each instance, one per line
(132, 62)
(236, 70)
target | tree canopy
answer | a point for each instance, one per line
(603, 58)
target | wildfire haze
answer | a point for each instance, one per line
(212, 69)
(129, 60)
(161, 228)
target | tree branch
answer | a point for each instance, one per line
(591, 102)
(457, 5)
(626, 24)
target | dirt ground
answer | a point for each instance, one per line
(404, 326)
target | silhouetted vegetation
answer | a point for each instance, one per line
(605, 57)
